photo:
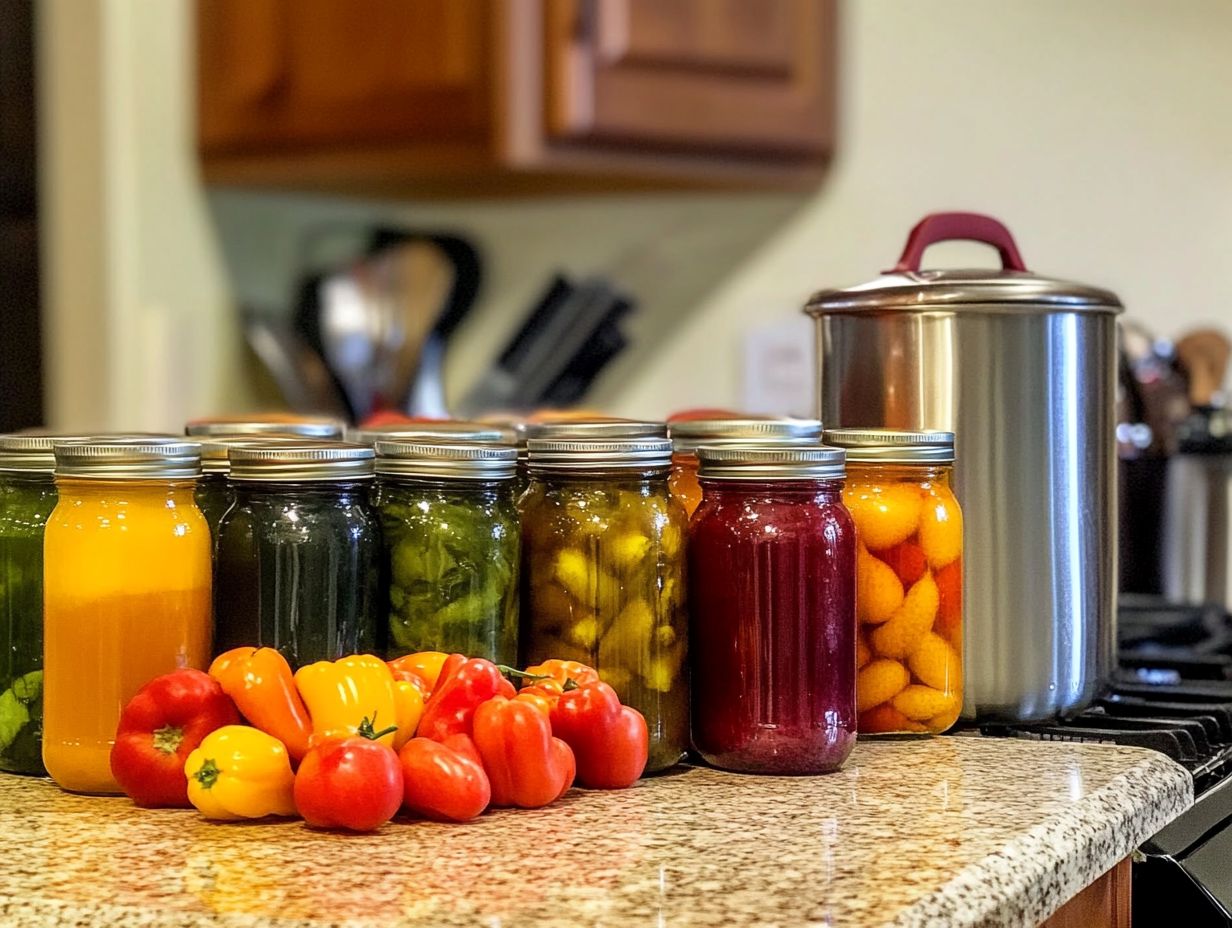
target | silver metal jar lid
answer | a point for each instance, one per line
(687, 436)
(31, 452)
(770, 462)
(549, 454)
(216, 451)
(448, 431)
(323, 428)
(599, 429)
(893, 446)
(308, 461)
(128, 458)
(396, 458)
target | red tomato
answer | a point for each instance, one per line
(444, 780)
(351, 783)
(907, 560)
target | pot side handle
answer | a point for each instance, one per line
(944, 227)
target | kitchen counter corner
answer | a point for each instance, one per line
(956, 831)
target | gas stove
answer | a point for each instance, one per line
(1172, 693)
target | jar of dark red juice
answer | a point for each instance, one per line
(772, 576)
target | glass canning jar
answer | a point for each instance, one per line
(297, 563)
(603, 574)
(214, 492)
(772, 602)
(909, 567)
(27, 497)
(450, 537)
(126, 592)
(688, 434)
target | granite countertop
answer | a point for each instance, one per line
(949, 832)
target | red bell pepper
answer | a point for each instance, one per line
(159, 728)
(353, 783)
(526, 766)
(464, 684)
(444, 780)
(609, 741)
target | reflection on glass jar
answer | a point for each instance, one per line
(451, 534)
(297, 565)
(126, 593)
(604, 575)
(909, 565)
(772, 605)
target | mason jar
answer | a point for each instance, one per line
(909, 569)
(214, 493)
(688, 434)
(603, 571)
(27, 497)
(451, 555)
(772, 574)
(448, 431)
(126, 592)
(297, 564)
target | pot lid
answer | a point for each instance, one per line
(908, 286)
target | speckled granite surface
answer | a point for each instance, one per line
(948, 832)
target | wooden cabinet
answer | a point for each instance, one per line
(506, 96)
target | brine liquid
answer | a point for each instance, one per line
(772, 605)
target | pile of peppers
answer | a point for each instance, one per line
(347, 744)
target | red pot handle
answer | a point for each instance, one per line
(972, 227)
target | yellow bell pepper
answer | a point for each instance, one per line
(358, 695)
(239, 772)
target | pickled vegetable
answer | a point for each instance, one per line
(603, 583)
(908, 598)
(452, 563)
(25, 503)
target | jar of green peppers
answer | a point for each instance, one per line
(27, 497)
(603, 573)
(451, 534)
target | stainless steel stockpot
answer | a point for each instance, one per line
(1022, 369)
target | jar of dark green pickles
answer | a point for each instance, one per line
(27, 497)
(297, 560)
(603, 573)
(214, 494)
(450, 529)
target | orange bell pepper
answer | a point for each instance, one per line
(424, 665)
(553, 677)
(526, 766)
(260, 682)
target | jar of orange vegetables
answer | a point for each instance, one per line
(688, 435)
(908, 578)
(126, 592)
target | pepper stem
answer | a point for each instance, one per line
(208, 773)
(521, 674)
(168, 739)
(367, 729)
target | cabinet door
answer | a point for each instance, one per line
(323, 73)
(730, 74)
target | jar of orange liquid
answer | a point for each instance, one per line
(126, 593)
(688, 435)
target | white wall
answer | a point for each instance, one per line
(1100, 131)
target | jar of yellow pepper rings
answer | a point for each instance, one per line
(908, 578)
(603, 572)
(689, 434)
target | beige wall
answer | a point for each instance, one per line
(1100, 131)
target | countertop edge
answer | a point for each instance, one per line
(1032, 876)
